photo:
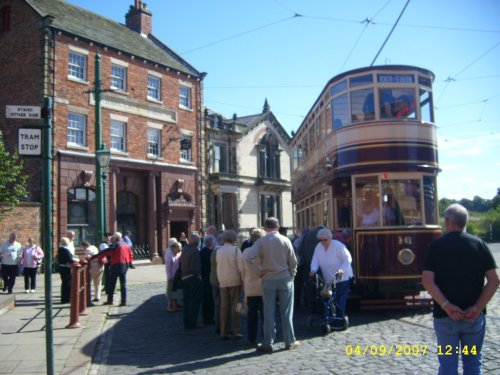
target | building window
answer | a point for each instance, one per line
(82, 214)
(77, 67)
(185, 97)
(119, 78)
(154, 88)
(219, 158)
(154, 142)
(77, 129)
(270, 206)
(5, 25)
(118, 136)
(186, 147)
(269, 157)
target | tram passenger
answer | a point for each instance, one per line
(392, 212)
(370, 213)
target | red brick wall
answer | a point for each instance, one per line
(25, 220)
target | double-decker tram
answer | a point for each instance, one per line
(364, 164)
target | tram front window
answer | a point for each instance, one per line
(367, 202)
(397, 103)
(401, 202)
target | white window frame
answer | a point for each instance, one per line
(77, 64)
(78, 131)
(185, 93)
(152, 89)
(186, 155)
(154, 143)
(119, 77)
(118, 134)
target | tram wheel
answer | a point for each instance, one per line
(326, 329)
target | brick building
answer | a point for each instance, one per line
(151, 118)
(248, 171)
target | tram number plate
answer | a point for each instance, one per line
(405, 240)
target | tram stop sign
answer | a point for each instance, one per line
(30, 141)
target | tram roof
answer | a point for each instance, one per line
(341, 76)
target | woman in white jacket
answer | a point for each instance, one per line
(229, 266)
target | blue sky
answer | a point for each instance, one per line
(257, 49)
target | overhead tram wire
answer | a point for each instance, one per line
(296, 15)
(453, 78)
(390, 32)
(367, 21)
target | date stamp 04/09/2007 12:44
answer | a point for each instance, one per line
(400, 350)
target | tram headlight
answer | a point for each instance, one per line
(406, 256)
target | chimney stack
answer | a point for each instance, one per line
(139, 18)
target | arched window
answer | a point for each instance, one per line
(269, 157)
(81, 214)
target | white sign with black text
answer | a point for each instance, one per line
(30, 141)
(22, 112)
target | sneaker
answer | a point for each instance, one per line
(27, 291)
(265, 348)
(293, 345)
(108, 303)
(33, 290)
(123, 304)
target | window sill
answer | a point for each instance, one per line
(77, 80)
(119, 152)
(184, 161)
(185, 108)
(114, 90)
(76, 146)
(153, 100)
(153, 157)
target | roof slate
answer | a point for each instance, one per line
(91, 26)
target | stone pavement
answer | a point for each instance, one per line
(143, 338)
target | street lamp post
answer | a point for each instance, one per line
(102, 154)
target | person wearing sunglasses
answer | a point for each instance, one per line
(332, 257)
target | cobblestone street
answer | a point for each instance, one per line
(144, 339)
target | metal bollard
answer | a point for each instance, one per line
(74, 321)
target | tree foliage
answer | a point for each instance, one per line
(12, 179)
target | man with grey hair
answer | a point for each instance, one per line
(454, 272)
(190, 264)
(121, 258)
(273, 258)
(10, 253)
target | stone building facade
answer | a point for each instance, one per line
(248, 171)
(151, 117)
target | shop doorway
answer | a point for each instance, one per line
(177, 227)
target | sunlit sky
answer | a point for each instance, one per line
(287, 50)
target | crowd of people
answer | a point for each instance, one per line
(220, 281)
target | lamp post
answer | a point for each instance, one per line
(102, 154)
(103, 157)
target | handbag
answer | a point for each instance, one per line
(242, 307)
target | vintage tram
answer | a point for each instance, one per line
(364, 164)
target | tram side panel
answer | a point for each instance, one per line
(390, 262)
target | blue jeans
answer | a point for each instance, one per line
(342, 293)
(459, 334)
(283, 289)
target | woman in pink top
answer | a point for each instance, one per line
(171, 257)
(31, 258)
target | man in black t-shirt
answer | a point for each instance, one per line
(454, 272)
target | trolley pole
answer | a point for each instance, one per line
(47, 231)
